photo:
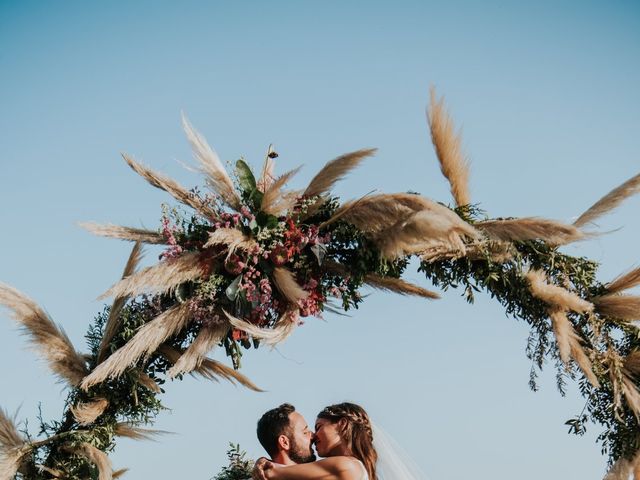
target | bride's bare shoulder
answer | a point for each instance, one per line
(342, 464)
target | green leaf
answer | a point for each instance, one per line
(232, 289)
(245, 178)
(266, 221)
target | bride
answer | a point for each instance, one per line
(344, 436)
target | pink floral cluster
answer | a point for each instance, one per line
(204, 312)
(168, 231)
(312, 305)
(228, 220)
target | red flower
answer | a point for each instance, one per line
(279, 256)
(238, 334)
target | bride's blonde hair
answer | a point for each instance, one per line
(357, 433)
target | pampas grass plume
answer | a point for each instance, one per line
(335, 170)
(210, 369)
(555, 296)
(87, 412)
(145, 341)
(610, 201)
(194, 355)
(285, 281)
(623, 307)
(449, 151)
(49, 340)
(124, 233)
(217, 176)
(162, 277)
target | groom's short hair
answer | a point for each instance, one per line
(272, 424)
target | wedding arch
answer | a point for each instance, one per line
(245, 259)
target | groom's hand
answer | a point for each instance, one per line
(260, 466)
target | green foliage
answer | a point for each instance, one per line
(239, 467)
(504, 281)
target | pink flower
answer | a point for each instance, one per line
(234, 265)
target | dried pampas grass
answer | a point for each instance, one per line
(124, 233)
(114, 321)
(208, 337)
(610, 201)
(397, 285)
(231, 237)
(335, 170)
(378, 214)
(570, 346)
(270, 336)
(55, 473)
(447, 143)
(620, 470)
(9, 436)
(145, 341)
(210, 369)
(632, 363)
(13, 447)
(128, 430)
(434, 226)
(95, 456)
(374, 213)
(564, 332)
(170, 186)
(622, 307)
(217, 177)
(285, 281)
(49, 340)
(555, 296)
(631, 395)
(523, 229)
(86, 413)
(624, 282)
(119, 473)
(274, 200)
(10, 461)
(147, 382)
(162, 277)
(268, 168)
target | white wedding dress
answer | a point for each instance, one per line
(365, 475)
(393, 462)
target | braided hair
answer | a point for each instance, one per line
(357, 433)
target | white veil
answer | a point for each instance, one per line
(393, 462)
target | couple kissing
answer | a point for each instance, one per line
(343, 436)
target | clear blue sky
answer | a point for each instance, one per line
(547, 95)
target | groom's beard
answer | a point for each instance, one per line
(299, 455)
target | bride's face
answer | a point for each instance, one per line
(327, 438)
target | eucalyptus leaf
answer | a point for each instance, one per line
(319, 250)
(232, 289)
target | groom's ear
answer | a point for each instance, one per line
(283, 442)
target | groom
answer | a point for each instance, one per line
(285, 435)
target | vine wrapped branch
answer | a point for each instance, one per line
(250, 259)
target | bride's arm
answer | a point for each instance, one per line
(332, 468)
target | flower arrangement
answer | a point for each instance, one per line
(253, 259)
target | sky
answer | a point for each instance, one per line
(545, 94)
